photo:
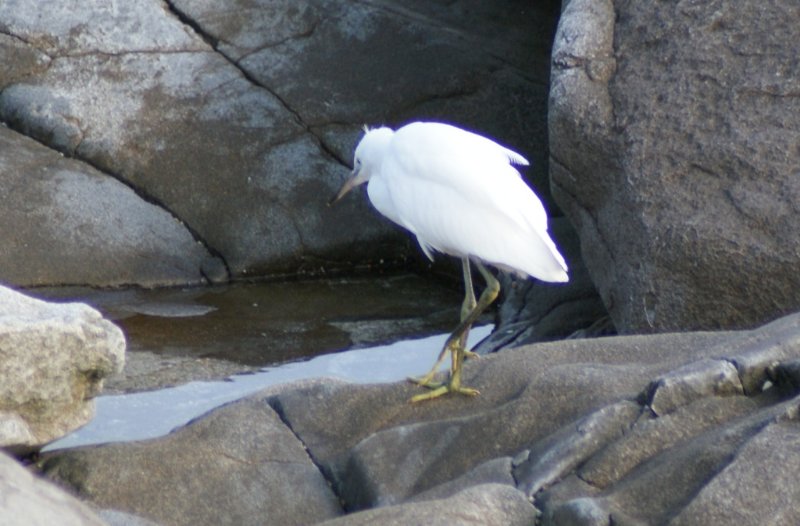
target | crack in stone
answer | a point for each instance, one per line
(141, 193)
(324, 148)
(73, 151)
(740, 374)
(127, 52)
(214, 43)
(98, 52)
(298, 36)
(767, 92)
(259, 461)
(330, 152)
(186, 20)
(326, 475)
(25, 41)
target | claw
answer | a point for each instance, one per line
(456, 343)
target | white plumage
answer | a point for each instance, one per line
(459, 194)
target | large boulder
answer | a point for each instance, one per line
(53, 359)
(237, 120)
(237, 465)
(700, 427)
(673, 140)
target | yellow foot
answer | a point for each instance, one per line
(442, 390)
(470, 354)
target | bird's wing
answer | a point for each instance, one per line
(462, 197)
(474, 165)
(448, 140)
(451, 222)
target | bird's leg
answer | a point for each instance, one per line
(466, 307)
(454, 341)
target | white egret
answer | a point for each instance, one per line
(459, 194)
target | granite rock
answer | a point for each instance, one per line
(53, 359)
(673, 142)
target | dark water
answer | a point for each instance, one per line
(261, 324)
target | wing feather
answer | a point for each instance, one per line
(458, 193)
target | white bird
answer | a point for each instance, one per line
(459, 194)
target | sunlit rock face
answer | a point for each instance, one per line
(71, 224)
(54, 360)
(236, 121)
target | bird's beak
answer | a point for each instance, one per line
(348, 185)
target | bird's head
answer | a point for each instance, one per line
(367, 158)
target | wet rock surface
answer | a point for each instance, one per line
(571, 432)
